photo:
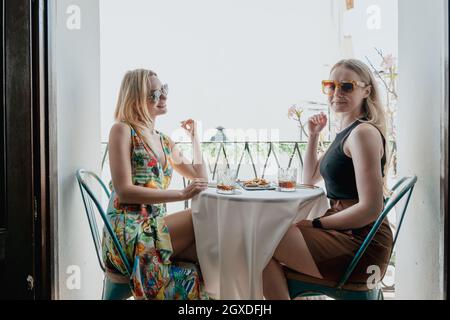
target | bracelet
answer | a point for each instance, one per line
(317, 223)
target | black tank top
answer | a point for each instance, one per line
(337, 169)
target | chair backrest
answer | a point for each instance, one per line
(403, 187)
(92, 204)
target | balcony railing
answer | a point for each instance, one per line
(222, 153)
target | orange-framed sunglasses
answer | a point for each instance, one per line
(329, 86)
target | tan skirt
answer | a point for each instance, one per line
(333, 250)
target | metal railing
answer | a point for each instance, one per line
(217, 149)
(238, 149)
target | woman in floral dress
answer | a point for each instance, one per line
(160, 247)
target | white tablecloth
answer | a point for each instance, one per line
(236, 235)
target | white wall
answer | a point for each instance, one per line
(371, 24)
(419, 264)
(75, 87)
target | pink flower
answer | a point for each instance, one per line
(291, 112)
(388, 62)
(294, 112)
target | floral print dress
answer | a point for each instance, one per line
(144, 235)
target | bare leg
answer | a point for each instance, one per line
(274, 282)
(293, 252)
(181, 231)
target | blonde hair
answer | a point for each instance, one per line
(133, 95)
(372, 109)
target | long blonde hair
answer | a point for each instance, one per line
(132, 101)
(372, 109)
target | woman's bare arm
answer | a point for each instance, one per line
(195, 169)
(311, 164)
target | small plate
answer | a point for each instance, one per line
(269, 186)
(306, 186)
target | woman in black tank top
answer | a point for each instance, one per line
(353, 169)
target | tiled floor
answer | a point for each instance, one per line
(388, 295)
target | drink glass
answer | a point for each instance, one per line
(287, 179)
(226, 181)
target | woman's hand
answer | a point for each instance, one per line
(317, 123)
(190, 126)
(194, 188)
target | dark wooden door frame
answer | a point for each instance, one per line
(18, 277)
(3, 233)
(25, 130)
(43, 262)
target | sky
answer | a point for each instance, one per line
(237, 64)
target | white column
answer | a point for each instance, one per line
(419, 263)
(75, 96)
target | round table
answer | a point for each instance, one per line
(236, 235)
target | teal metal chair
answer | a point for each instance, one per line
(301, 285)
(114, 288)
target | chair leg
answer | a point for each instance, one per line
(104, 289)
(115, 291)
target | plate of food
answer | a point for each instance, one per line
(257, 184)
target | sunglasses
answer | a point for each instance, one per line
(155, 95)
(329, 86)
